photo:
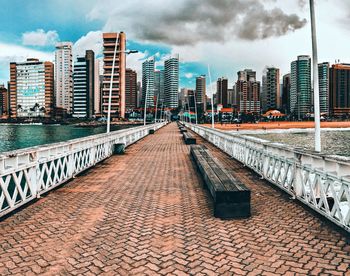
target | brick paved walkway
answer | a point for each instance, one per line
(146, 213)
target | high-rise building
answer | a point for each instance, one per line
(159, 85)
(4, 101)
(171, 82)
(339, 89)
(263, 94)
(300, 89)
(271, 89)
(64, 76)
(247, 75)
(97, 96)
(84, 86)
(286, 94)
(31, 88)
(201, 93)
(139, 94)
(148, 82)
(112, 41)
(130, 89)
(323, 76)
(183, 96)
(221, 92)
(230, 96)
(248, 90)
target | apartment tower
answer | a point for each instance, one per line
(300, 87)
(31, 88)
(171, 82)
(84, 86)
(64, 76)
(201, 93)
(112, 42)
(339, 89)
(130, 89)
(148, 82)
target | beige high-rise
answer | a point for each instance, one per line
(64, 76)
(118, 87)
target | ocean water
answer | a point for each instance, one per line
(14, 137)
(333, 142)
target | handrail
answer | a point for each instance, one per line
(322, 182)
(26, 174)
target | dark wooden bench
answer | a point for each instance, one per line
(182, 130)
(231, 197)
(189, 139)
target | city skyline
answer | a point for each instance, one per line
(58, 21)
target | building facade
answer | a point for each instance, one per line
(148, 82)
(112, 42)
(248, 90)
(64, 76)
(84, 86)
(130, 89)
(201, 92)
(97, 96)
(323, 76)
(4, 101)
(286, 94)
(271, 87)
(171, 82)
(222, 92)
(339, 90)
(300, 89)
(159, 85)
(31, 89)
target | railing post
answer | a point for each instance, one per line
(298, 176)
(265, 166)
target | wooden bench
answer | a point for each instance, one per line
(182, 130)
(231, 197)
(189, 139)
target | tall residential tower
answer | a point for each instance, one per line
(171, 82)
(64, 76)
(112, 42)
(300, 89)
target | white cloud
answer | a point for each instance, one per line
(189, 75)
(134, 62)
(40, 38)
(91, 41)
(14, 53)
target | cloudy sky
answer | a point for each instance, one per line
(229, 35)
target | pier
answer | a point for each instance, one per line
(145, 212)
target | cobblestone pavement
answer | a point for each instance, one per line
(145, 213)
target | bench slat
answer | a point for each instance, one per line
(231, 197)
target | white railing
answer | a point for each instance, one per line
(319, 181)
(28, 173)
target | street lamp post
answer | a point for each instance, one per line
(145, 109)
(212, 99)
(155, 115)
(315, 79)
(195, 106)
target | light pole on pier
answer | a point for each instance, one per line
(315, 79)
(145, 109)
(212, 99)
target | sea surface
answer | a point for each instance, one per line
(14, 137)
(333, 142)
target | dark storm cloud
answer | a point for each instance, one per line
(187, 22)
